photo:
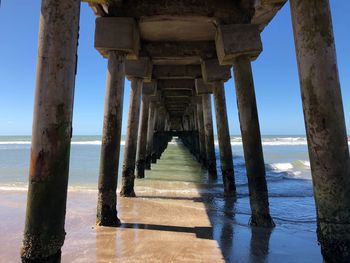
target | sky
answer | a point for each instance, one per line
(275, 73)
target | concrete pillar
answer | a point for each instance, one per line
(150, 131)
(160, 130)
(109, 161)
(209, 135)
(253, 153)
(154, 142)
(44, 232)
(325, 125)
(142, 137)
(128, 172)
(201, 134)
(195, 133)
(224, 139)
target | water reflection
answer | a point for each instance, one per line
(259, 244)
(106, 244)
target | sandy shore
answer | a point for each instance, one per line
(162, 225)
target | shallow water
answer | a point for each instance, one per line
(177, 177)
(287, 166)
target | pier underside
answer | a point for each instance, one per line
(178, 56)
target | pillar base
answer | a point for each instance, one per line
(154, 158)
(106, 209)
(230, 194)
(140, 171)
(56, 258)
(109, 218)
(35, 249)
(335, 242)
(127, 193)
(203, 162)
(128, 183)
(148, 163)
(229, 183)
(262, 221)
(212, 170)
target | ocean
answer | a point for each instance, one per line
(287, 167)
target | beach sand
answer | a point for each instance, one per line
(169, 221)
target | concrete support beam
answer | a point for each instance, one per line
(325, 125)
(265, 11)
(117, 33)
(213, 71)
(177, 93)
(109, 162)
(227, 11)
(44, 232)
(140, 68)
(236, 40)
(177, 72)
(150, 88)
(209, 135)
(173, 51)
(253, 153)
(130, 148)
(203, 87)
(176, 84)
(224, 139)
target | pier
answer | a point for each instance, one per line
(178, 55)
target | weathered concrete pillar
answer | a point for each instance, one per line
(224, 139)
(253, 153)
(109, 162)
(122, 39)
(128, 172)
(202, 145)
(44, 232)
(209, 135)
(142, 138)
(160, 129)
(154, 142)
(150, 131)
(325, 125)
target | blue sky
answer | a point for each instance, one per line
(275, 73)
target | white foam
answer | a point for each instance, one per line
(13, 188)
(291, 170)
(15, 142)
(87, 143)
(235, 141)
(24, 188)
(97, 142)
(274, 141)
(306, 163)
(282, 166)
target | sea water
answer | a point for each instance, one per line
(287, 166)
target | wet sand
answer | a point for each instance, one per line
(175, 218)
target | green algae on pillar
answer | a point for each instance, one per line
(251, 137)
(224, 139)
(128, 172)
(44, 232)
(325, 125)
(110, 149)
